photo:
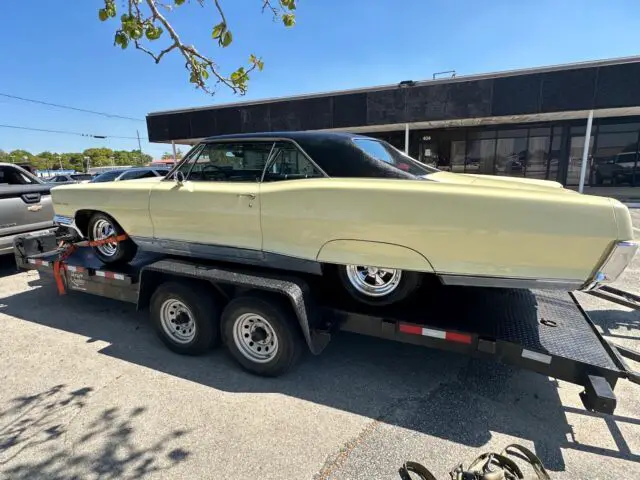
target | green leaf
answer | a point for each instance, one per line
(122, 40)
(178, 2)
(153, 32)
(260, 64)
(218, 30)
(289, 20)
(227, 38)
(102, 14)
(253, 59)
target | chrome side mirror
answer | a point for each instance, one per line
(179, 177)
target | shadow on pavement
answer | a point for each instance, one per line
(436, 393)
(610, 320)
(7, 266)
(35, 440)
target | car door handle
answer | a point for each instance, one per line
(252, 196)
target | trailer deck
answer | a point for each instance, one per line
(544, 331)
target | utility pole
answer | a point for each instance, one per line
(139, 146)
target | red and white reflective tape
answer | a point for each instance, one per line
(538, 357)
(433, 333)
(111, 275)
(37, 262)
(73, 268)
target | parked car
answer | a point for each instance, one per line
(336, 202)
(71, 178)
(118, 175)
(25, 205)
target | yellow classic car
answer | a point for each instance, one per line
(321, 202)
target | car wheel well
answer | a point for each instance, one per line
(83, 217)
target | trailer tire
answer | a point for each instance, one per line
(186, 317)
(262, 334)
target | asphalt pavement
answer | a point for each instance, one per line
(87, 391)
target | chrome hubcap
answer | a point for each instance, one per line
(255, 338)
(103, 229)
(177, 321)
(373, 281)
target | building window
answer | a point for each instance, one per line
(511, 156)
(538, 159)
(615, 158)
(458, 155)
(481, 156)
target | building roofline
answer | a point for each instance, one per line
(461, 78)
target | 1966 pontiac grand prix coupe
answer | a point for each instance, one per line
(327, 202)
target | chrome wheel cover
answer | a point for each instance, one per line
(373, 281)
(255, 338)
(104, 229)
(177, 321)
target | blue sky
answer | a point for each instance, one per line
(60, 52)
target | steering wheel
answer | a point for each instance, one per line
(217, 172)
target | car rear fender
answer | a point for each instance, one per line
(364, 252)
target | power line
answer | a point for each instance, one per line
(109, 115)
(65, 132)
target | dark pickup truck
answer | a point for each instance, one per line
(25, 205)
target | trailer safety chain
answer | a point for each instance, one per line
(67, 250)
(488, 466)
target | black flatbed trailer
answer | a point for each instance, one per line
(544, 331)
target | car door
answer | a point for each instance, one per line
(215, 210)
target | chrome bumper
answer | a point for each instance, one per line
(68, 222)
(615, 263)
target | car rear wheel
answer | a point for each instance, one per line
(101, 227)
(377, 285)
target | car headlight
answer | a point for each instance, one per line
(616, 262)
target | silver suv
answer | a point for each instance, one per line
(25, 205)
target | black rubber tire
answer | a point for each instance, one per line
(409, 283)
(125, 250)
(284, 324)
(201, 303)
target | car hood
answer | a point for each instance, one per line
(512, 183)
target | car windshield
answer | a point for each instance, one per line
(106, 176)
(386, 153)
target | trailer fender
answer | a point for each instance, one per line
(294, 290)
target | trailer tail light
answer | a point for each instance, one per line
(433, 333)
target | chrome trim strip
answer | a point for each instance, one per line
(246, 256)
(510, 282)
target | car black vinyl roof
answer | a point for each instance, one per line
(333, 152)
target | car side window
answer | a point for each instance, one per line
(231, 162)
(289, 163)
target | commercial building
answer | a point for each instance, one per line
(530, 123)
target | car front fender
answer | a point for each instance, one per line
(363, 252)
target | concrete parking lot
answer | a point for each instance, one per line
(88, 392)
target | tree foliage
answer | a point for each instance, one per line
(169, 155)
(145, 22)
(94, 157)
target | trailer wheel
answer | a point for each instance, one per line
(186, 317)
(262, 335)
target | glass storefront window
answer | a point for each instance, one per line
(481, 156)
(537, 157)
(511, 156)
(458, 155)
(614, 162)
(576, 147)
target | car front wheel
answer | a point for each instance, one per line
(101, 227)
(377, 285)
